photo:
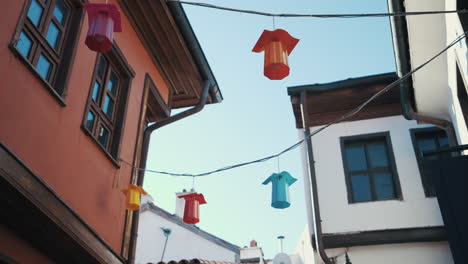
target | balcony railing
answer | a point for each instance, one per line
(449, 175)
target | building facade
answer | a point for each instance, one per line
(372, 196)
(72, 122)
(163, 236)
(437, 94)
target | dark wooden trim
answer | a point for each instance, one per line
(117, 64)
(161, 37)
(62, 59)
(32, 210)
(391, 160)
(7, 260)
(330, 101)
(159, 109)
(419, 158)
(389, 236)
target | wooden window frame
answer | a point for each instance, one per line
(391, 168)
(117, 64)
(427, 130)
(61, 59)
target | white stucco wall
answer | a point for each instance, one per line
(456, 56)
(414, 210)
(427, 37)
(182, 243)
(407, 253)
(435, 86)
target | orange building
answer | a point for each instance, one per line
(73, 123)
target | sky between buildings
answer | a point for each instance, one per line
(255, 119)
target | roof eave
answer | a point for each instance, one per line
(195, 49)
(342, 84)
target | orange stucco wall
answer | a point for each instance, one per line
(48, 137)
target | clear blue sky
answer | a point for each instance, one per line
(255, 119)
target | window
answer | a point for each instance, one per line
(463, 5)
(428, 140)
(462, 95)
(45, 40)
(105, 110)
(370, 168)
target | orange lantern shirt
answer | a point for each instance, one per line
(277, 44)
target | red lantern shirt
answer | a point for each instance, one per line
(192, 207)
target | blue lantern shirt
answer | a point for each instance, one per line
(280, 195)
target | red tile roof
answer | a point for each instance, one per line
(199, 261)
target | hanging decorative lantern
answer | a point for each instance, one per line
(133, 192)
(277, 44)
(104, 20)
(280, 193)
(192, 207)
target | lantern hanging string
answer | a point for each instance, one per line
(278, 164)
(260, 13)
(315, 132)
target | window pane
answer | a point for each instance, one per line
(24, 44)
(43, 67)
(60, 11)
(35, 12)
(384, 186)
(427, 144)
(101, 67)
(112, 85)
(361, 188)
(108, 107)
(443, 142)
(355, 157)
(53, 35)
(96, 91)
(90, 121)
(103, 136)
(377, 154)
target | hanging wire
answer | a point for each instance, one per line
(396, 14)
(315, 132)
(274, 27)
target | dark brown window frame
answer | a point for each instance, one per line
(391, 160)
(64, 56)
(424, 180)
(125, 74)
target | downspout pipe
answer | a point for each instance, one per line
(402, 56)
(144, 156)
(317, 221)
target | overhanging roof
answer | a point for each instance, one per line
(168, 37)
(327, 102)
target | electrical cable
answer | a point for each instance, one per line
(315, 132)
(252, 12)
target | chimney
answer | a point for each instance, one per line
(180, 203)
(146, 199)
(280, 244)
(252, 253)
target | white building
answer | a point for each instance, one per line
(373, 200)
(184, 241)
(436, 93)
